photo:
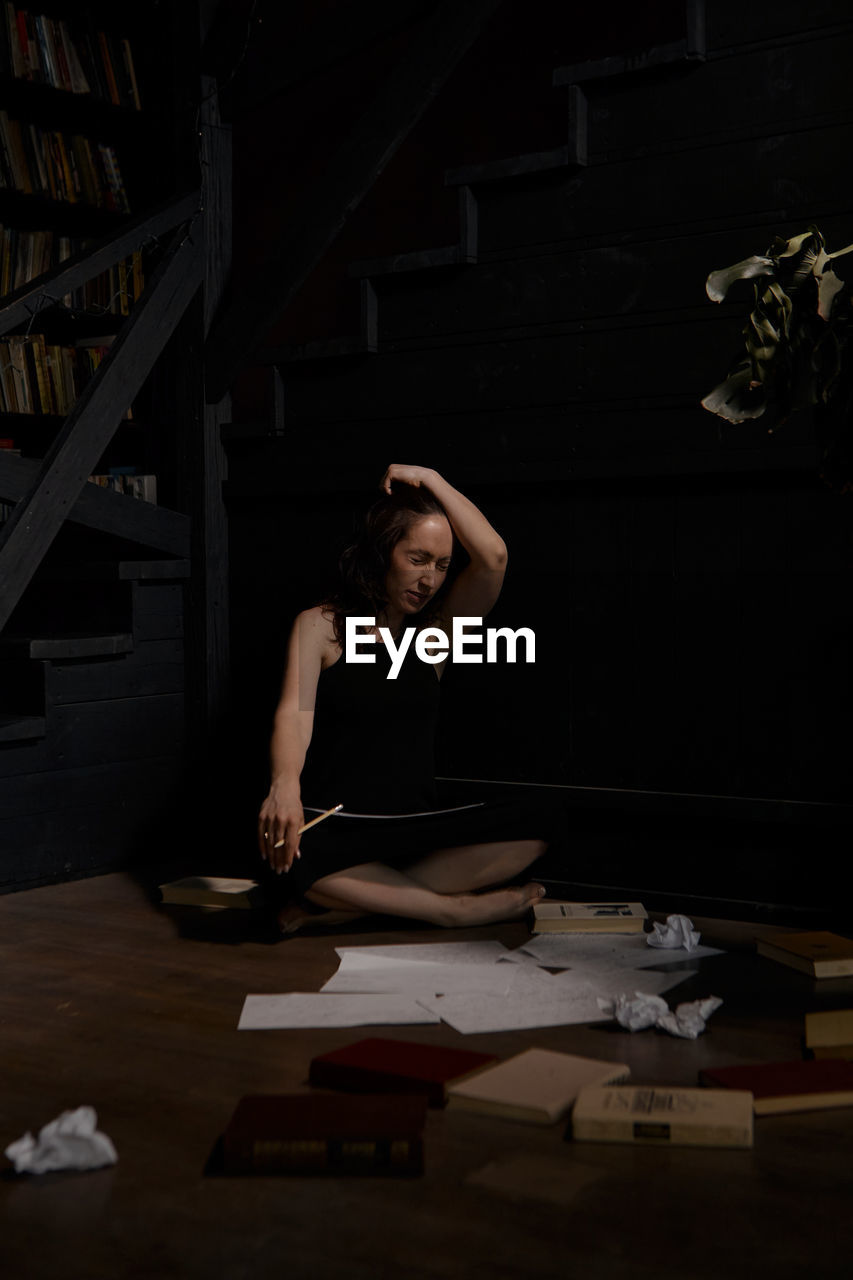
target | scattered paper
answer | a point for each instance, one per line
(559, 951)
(677, 932)
(374, 973)
(487, 952)
(71, 1141)
(643, 1010)
(536, 1177)
(307, 1009)
(611, 982)
(550, 1006)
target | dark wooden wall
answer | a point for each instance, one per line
(688, 580)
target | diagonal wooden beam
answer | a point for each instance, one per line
(21, 305)
(437, 45)
(90, 426)
(101, 509)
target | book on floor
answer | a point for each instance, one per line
(213, 891)
(780, 1087)
(829, 1034)
(819, 954)
(588, 917)
(537, 1086)
(326, 1133)
(663, 1116)
(378, 1065)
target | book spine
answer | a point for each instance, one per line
(33, 53)
(659, 1132)
(109, 75)
(6, 68)
(14, 42)
(322, 1155)
(131, 74)
(62, 68)
(23, 43)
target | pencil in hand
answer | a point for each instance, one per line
(312, 823)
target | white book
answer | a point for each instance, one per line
(537, 1086)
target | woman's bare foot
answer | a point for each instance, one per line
(495, 905)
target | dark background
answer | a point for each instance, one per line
(687, 579)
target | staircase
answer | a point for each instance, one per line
(93, 727)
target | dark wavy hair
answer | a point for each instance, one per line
(364, 564)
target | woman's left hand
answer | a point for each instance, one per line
(415, 476)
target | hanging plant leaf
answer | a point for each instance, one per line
(797, 341)
(793, 246)
(737, 399)
(719, 282)
(827, 287)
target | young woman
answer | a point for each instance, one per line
(346, 734)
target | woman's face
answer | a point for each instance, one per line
(419, 564)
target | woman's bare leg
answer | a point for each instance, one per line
(377, 888)
(475, 866)
(438, 887)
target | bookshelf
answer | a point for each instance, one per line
(75, 148)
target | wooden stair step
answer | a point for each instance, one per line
(654, 59)
(512, 167)
(21, 728)
(420, 260)
(68, 645)
(115, 571)
(326, 349)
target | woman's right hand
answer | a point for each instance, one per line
(280, 818)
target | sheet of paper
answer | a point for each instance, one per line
(610, 983)
(372, 973)
(472, 1015)
(486, 952)
(304, 1009)
(560, 950)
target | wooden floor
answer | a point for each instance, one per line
(108, 1000)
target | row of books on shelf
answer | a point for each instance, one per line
(119, 479)
(26, 255)
(69, 56)
(67, 168)
(40, 377)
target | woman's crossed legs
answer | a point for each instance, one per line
(440, 888)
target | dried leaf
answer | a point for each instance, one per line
(795, 245)
(719, 282)
(734, 400)
(828, 286)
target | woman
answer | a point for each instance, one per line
(346, 734)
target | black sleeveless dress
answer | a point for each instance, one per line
(372, 750)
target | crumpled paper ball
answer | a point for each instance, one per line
(71, 1141)
(677, 932)
(642, 1010)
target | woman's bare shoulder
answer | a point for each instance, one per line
(315, 627)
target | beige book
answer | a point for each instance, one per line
(212, 891)
(537, 1086)
(664, 1116)
(819, 953)
(588, 917)
(829, 1034)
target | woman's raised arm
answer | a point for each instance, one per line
(479, 584)
(281, 814)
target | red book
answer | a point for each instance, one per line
(788, 1086)
(396, 1066)
(325, 1133)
